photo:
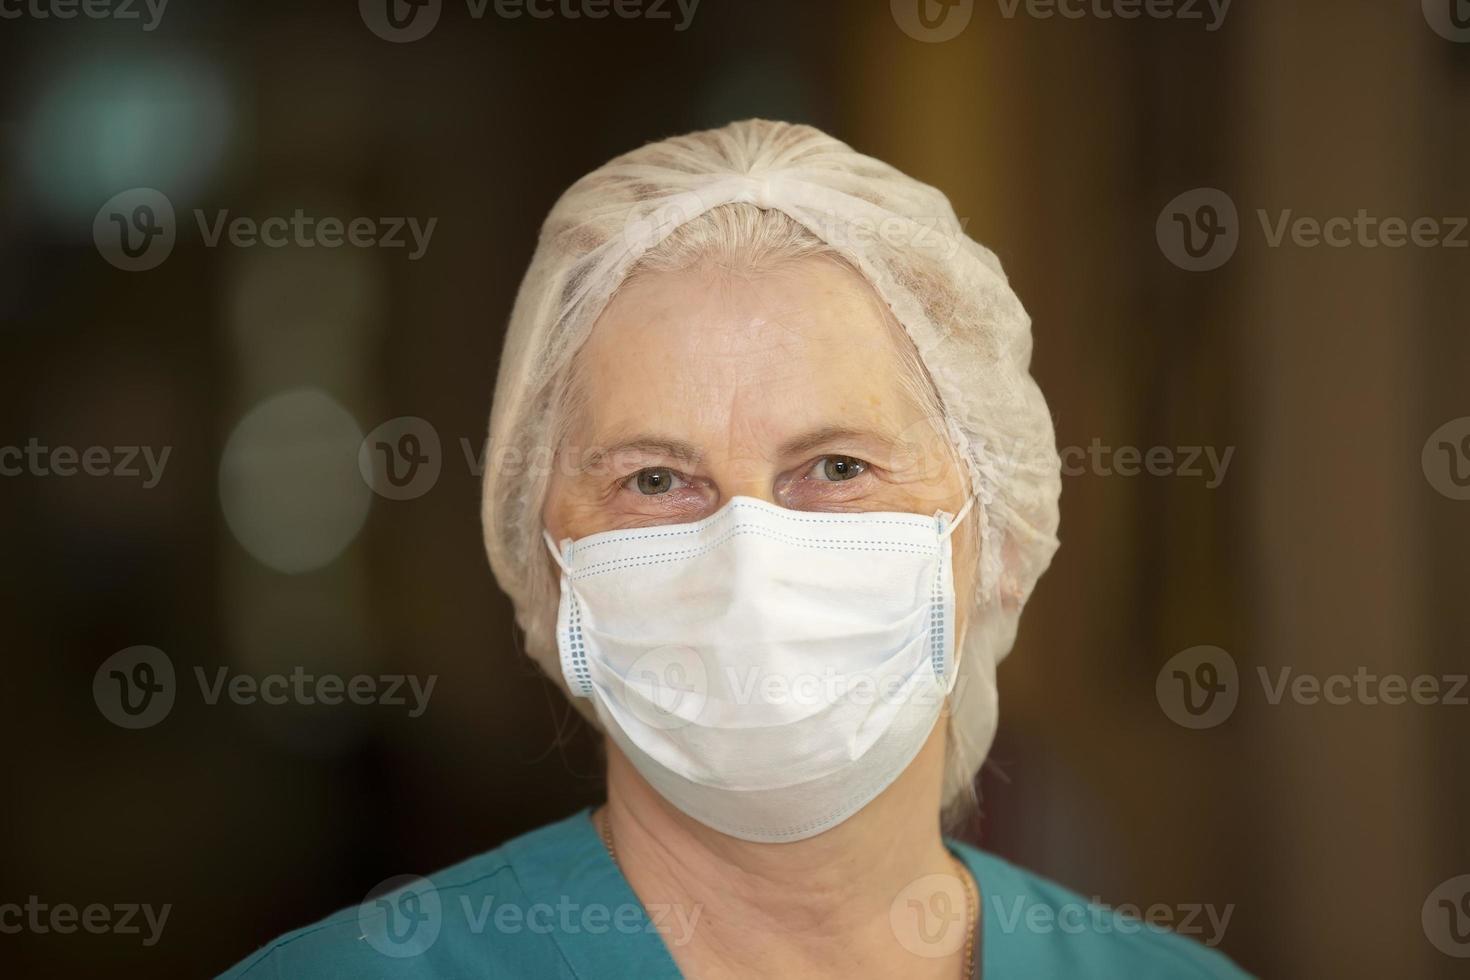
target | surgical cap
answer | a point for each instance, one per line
(947, 291)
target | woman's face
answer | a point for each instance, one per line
(699, 385)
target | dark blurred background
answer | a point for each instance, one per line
(1335, 375)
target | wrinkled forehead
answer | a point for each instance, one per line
(808, 342)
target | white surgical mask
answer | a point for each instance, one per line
(768, 671)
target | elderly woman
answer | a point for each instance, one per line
(769, 485)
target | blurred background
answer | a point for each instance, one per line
(184, 405)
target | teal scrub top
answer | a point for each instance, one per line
(553, 903)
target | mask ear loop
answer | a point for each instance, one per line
(955, 521)
(960, 444)
(555, 552)
(951, 672)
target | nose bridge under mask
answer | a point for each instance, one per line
(948, 529)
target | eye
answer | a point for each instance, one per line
(653, 481)
(835, 469)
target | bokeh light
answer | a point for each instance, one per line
(289, 483)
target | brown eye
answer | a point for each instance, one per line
(652, 482)
(839, 468)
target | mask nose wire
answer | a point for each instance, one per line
(555, 553)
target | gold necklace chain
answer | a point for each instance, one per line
(604, 827)
(972, 902)
(972, 916)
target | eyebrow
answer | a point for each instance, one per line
(651, 444)
(657, 445)
(828, 434)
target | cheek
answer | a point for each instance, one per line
(570, 518)
(562, 513)
(551, 517)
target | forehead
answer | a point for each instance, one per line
(806, 342)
